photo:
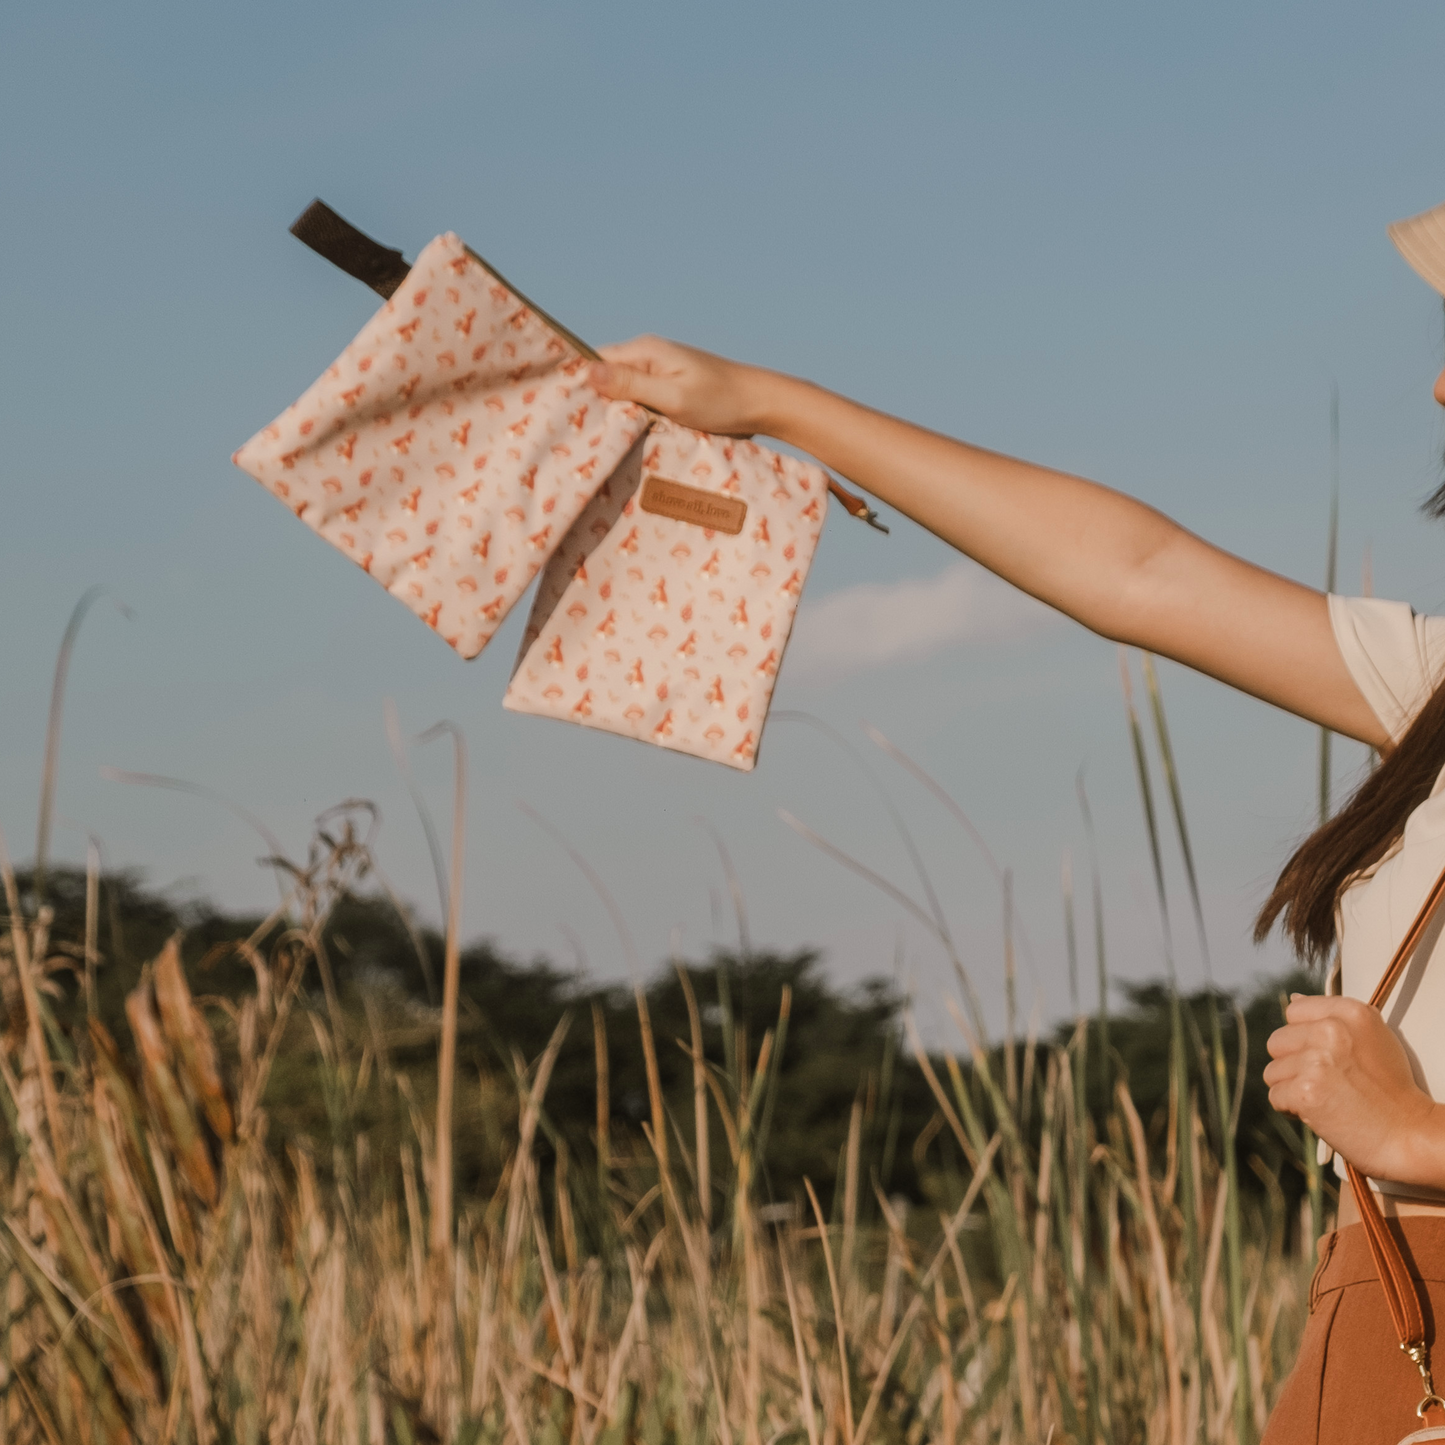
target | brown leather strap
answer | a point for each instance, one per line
(1408, 944)
(353, 251)
(855, 506)
(1401, 1293)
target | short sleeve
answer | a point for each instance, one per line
(1395, 655)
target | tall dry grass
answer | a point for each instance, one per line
(163, 1278)
(168, 1275)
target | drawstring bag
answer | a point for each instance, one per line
(449, 448)
(664, 613)
(454, 450)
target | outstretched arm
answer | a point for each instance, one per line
(1112, 563)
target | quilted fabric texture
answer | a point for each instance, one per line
(449, 447)
(664, 612)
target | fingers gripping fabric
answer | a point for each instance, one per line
(449, 448)
(664, 613)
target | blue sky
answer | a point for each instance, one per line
(1139, 242)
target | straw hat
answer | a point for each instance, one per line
(1421, 241)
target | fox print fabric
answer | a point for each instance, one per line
(664, 613)
(449, 448)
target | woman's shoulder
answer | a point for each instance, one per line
(1395, 655)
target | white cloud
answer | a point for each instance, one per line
(874, 624)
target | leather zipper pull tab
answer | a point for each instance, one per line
(855, 506)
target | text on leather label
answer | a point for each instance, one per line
(682, 503)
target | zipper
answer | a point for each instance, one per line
(853, 504)
(565, 332)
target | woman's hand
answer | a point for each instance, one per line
(1339, 1066)
(693, 388)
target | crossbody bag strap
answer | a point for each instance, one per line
(1402, 1294)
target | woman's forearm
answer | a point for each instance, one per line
(1113, 563)
(1077, 545)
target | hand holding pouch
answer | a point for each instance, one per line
(664, 613)
(450, 447)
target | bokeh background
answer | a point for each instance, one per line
(1137, 242)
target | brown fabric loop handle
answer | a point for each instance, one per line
(1401, 1293)
(335, 238)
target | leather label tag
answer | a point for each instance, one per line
(682, 503)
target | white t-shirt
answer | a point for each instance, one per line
(1397, 657)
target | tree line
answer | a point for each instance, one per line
(843, 1052)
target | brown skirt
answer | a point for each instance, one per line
(1351, 1383)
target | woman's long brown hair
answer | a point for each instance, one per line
(1358, 835)
(1361, 833)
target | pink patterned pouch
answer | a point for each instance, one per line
(664, 613)
(450, 447)
(453, 451)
